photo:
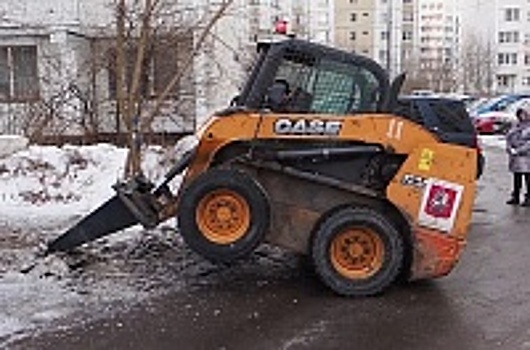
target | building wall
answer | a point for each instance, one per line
(373, 28)
(355, 26)
(320, 18)
(439, 34)
(409, 36)
(85, 13)
(66, 31)
(513, 46)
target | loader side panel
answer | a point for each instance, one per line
(298, 205)
(435, 187)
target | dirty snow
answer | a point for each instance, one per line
(43, 191)
(497, 141)
(10, 144)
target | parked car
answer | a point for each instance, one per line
(446, 117)
(499, 103)
(498, 122)
(476, 104)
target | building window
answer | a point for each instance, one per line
(505, 80)
(526, 81)
(509, 37)
(383, 57)
(408, 17)
(407, 35)
(512, 14)
(353, 17)
(18, 73)
(161, 63)
(507, 59)
(353, 36)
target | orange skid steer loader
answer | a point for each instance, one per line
(311, 157)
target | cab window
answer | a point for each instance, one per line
(325, 86)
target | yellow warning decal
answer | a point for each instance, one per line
(426, 158)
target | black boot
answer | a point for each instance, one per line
(526, 202)
(515, 199)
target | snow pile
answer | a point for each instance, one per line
(10, 144)
(59, 182)
(48, 181)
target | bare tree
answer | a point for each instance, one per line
(143, 61)
(435, 72)
(140, 26)
(478, 65)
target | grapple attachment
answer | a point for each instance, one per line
(137, 201)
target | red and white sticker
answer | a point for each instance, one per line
(439, 205)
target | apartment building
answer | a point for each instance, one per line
(319, 16)
(513, 46)
(373, 28)
(57, 69)
(409, 39)
(440, 37)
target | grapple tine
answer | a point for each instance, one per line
(110, 217)
(136, 202)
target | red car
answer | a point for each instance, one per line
(497, 122)
(490, 123)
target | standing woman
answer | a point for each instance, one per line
(518, 148)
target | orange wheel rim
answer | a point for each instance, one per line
(357, 253)
(223, 216)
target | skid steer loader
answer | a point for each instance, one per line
(311, 158)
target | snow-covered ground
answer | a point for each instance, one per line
(43, 191)
(496, 141)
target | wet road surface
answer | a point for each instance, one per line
(273, 301)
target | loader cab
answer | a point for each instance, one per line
(294, 76)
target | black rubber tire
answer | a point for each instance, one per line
(331, 226)
(221, 179)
